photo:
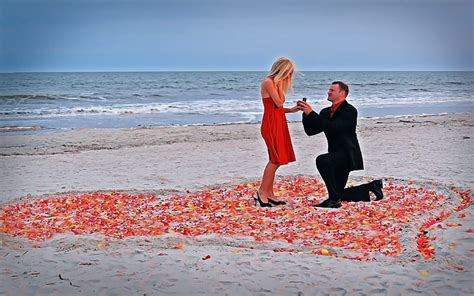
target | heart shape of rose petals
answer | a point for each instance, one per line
(363, 228)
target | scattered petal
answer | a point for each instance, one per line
(424, 273)
(453, 224)
(325, 252)
(102, 245)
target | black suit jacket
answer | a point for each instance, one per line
(340, 131)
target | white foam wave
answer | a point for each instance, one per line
(247, 108)
(412, 100)
(196, 107)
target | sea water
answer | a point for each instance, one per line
(52, 101)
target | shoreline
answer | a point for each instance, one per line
(24, 128)
(166, 119)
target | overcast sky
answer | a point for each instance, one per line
(137, 35)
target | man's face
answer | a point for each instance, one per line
(335, 93)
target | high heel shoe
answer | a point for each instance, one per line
(260, 202)
(276, 202)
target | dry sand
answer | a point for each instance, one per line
(174, 159)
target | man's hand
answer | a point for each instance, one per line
(305, 107)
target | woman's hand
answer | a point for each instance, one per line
(293, 109)
(269, 89)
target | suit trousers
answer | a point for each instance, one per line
(333, 167)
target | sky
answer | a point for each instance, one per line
(220, 35)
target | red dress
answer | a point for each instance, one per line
(275, 132)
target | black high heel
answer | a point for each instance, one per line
(261, 203)
(276, 202)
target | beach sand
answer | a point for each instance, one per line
(433, 151)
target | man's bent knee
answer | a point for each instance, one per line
(322, 160)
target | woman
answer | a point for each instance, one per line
(274, 127)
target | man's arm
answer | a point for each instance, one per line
(312, 123)
(315, 123)
(311, 120)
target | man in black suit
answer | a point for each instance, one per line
(338, 123)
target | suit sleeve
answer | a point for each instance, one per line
(312, 124)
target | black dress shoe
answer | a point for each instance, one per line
(376, 188)
(323, 203)
(329, 203)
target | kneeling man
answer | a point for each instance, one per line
(338, 123)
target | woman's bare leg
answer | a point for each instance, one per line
(266, 188)
(272, 193)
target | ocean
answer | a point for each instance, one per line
(55, 101)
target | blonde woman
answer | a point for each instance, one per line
(274, 127)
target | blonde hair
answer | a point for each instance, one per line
(283, 70)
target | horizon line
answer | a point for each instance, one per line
(167, 71)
